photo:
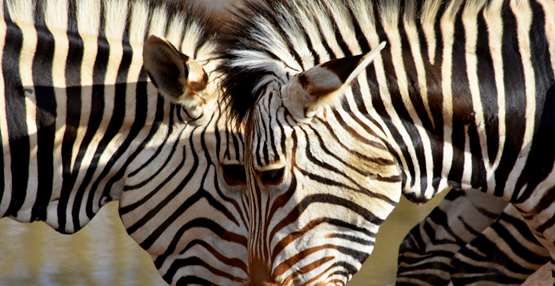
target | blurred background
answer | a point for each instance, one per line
(102, 253)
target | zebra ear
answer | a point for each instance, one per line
(310, 91)
(176, 76)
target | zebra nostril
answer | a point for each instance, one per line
(272, 177)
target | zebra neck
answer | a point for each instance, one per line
(74, 106)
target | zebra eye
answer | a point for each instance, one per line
(272, 177)
(234, 174)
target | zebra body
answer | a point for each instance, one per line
(81, 125)
(470, 237)
(462, 96)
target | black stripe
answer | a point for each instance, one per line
(515, 98)
(2, 151)
(219, 142)
(462, 101)
(409, 64)
(260, 145)
(73, 114)
(488, 89)
(435, 100)
(15, 111)
(46, 118)
(273, 134)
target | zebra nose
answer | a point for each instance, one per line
(272, 177)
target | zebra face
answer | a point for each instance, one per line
(182, 193)
(316, 195)
(184, 209)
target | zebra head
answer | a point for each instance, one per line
(316, 196)
(316, 199)
(181, 201)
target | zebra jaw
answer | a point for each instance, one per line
(311, 91)
(178, 77)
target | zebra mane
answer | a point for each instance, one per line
(283, 38)
(125, 21)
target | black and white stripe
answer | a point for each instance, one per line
(461, 96)
(470, 238)
(505, 253)
(82, 125)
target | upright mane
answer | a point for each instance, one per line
(282, 38)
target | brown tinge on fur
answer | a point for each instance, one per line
(259, 273)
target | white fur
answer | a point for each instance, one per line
(158, 23)
(138, 24)
(176, 31)
(21, 10)
(428, 20)
(115, 13)
(492, 16)
(55, 14)
(88, 17)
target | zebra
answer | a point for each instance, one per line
(350, 104)
(82, 125)
(507, 252)
(470, 237)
